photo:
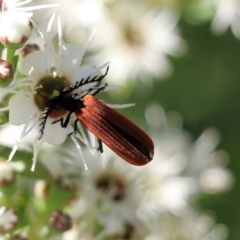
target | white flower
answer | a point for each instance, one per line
(48, 73)
(8, 219)
(216, 179)
(191, 225)
(165, 188)
(117, 198)
(181, 169)
(141, 38)
(227, 15)
(208, 164)
(109, 197)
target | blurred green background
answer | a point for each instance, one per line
(205, 89)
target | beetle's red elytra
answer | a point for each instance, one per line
(116, 131)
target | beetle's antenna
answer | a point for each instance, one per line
(45, 114)
(96, 90)
(83, 81)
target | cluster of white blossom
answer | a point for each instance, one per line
(141, 40)
(112, 199)
(155, 201)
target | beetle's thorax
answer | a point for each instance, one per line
(70, 103)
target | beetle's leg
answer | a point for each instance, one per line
(64, 122)
(100, 146)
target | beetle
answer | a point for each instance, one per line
(121, 135)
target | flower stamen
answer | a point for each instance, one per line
(79, 150)
(36, 88)
(27, 128)
(84, 136)
(127, 105)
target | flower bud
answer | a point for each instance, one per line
(8, 183)
(15, 29)
(6, 73)
(60, 221)
(7, 174)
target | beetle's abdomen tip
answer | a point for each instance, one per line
(151, 155)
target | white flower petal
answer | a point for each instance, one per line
(54, 134)
(70, 57)
(33, 65)
(21, 109)
(227, 15)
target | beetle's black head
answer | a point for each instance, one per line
(70, 103)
